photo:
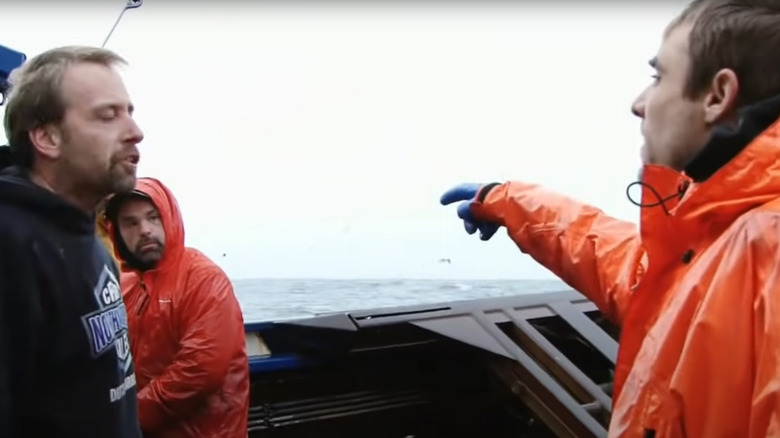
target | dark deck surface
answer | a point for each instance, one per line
(533, 365)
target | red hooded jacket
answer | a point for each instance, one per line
(187, 337)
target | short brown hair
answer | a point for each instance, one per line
(36, 98)
(741, 35)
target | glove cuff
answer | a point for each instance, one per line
(484, 191)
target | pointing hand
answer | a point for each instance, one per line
(466, 194)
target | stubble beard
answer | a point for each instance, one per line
(149, 260)
(120, 182)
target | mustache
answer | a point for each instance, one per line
(129, 153)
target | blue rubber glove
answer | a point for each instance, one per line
(467, 193)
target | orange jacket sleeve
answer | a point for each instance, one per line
(207, 346)
(600, 256)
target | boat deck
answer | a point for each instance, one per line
(533, 365)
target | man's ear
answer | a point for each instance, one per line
(46, 140)
(720, 101)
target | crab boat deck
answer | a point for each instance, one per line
(536, 365)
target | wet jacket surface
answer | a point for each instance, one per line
(696, 291)
(186, 336)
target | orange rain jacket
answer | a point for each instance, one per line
(186, 337)
(696, 292)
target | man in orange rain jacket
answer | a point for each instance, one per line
(696, 290)
(185, 324)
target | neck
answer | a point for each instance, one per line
(729, 139)
(83, 200)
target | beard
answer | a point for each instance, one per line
(119, 180)
(86, 172)
(148, 258)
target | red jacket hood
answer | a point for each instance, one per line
(170, 214)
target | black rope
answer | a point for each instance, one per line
(660, 199)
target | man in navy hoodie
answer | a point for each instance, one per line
(65, 363)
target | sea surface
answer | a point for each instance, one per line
(280, 299)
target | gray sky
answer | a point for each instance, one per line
(314, 140)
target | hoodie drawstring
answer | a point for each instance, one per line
(661, 200)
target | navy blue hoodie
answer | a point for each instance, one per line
(65, 365)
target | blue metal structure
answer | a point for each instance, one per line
(9, 60)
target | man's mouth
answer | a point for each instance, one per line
(149, 246)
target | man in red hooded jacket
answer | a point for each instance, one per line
(185, 324)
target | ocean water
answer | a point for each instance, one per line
(279, 299)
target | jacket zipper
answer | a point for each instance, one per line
(141, 307)
(144, 298)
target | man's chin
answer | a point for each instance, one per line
(124, 186)
(147, 261)
(644, 154)
(645, 159)
(122, 182)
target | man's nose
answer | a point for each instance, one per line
(134, 134)
(146, 228)
(638, 107)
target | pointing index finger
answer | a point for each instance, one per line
(462, 192)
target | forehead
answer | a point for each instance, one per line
(134, 207)
(674, 50)
(90, 84)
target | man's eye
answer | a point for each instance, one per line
(107, 114)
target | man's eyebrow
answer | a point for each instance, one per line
(114, 106)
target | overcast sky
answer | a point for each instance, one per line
(314, 139)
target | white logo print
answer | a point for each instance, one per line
(107, 327)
